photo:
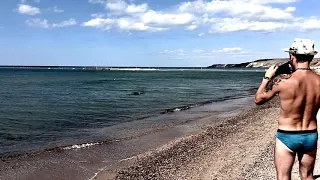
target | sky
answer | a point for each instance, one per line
(152, 33)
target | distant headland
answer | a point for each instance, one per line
(262, 63)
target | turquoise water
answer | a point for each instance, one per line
(43, 108)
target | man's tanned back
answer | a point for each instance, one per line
(300, 101)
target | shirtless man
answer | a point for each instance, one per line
(300, 101)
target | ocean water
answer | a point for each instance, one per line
(42, 108)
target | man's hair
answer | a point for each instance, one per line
(303, 58)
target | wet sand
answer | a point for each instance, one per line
(240, 147)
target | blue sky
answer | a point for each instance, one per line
(152, 32)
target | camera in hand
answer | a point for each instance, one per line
(284, 69)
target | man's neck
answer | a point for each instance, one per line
(304, 65)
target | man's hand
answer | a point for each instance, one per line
(271, 71)
(262, 96)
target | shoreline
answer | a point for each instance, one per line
(171, 114)
(84, 163)
(159, 114)
(226, 151)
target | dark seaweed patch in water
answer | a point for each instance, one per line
(186, 107)
(13, 137)
(137, 93)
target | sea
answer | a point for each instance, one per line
(43, 108)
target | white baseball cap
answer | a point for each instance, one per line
(302, 46)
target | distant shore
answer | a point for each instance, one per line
(260, 63)
(94, 67)
(105, 68)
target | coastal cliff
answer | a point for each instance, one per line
(261, 63)
(264, 63)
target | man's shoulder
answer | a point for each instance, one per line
(316, 74)
(278, 82)
(282, 79)
(316, 71)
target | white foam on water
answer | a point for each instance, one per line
(79, 146)
(126, 159)
(96, 174)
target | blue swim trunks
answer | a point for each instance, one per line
(299, 141)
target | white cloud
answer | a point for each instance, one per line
(137, 8)
(198, 51)
(176, 51)
(121, 23)
(70, 22)
(24, 1)
(100, 23)
(116, 5)
(235, 8)
(43, 23)
(56, 9)
(273, 1)
(192, 27)
(128, 24)
(97, 15)
(119, 7)
(28, 10)
(137, 17)
(166, 19)
(38, 23)
(147, 21)
(290, 9)
(215, 16)
(236, 24)
(228, 50)
(306, 24)
(201, 51)
(97, 1)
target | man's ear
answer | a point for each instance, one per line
(293, 59)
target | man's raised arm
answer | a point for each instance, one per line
(262, 95)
